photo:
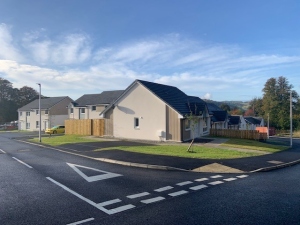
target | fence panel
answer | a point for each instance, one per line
(242, 134)
(88, 127)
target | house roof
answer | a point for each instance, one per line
(234, 120)
(106, 97)
(213, 107)
(252, 120)
(46, 103)
(172, 96)
(219, 116)
(176, 98)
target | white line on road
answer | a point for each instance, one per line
(163, 189)
(216, 182)
(184, 183)
(2, 151)
(201, 179)
(138, 195)
(98, 206)
(216, 176)
(151, 200)
(178, 193)
(22, 162)
(195, 188)
(230, 179)
(81, 221)
(242, 176)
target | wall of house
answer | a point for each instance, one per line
(173, 125)
(61, 108)
(141, 104)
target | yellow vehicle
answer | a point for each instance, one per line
(59, 129)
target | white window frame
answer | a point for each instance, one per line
(27, 126)
(37, 112)
(93, 108)
(46, 112)
(82, 110)
(27, 113)
(20, 113)
(71, 110)
(37, 124)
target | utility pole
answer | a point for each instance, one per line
(268, 125)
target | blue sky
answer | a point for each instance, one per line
(219, 50)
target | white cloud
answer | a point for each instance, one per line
(8, 51)
(197, 68)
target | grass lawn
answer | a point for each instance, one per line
(203, 152)
(180, 151)
(65, 139)
(255, 145)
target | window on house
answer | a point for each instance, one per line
(37, 112)
(27, 125)
(20, 113)
(136, 122)
(71, 110)
(46, 112)
(93, 108)
(82, 110)
(187, 124)
(37, 124)
(27, 113)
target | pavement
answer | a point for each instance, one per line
(264, 162)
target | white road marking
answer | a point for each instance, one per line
(22, 162)
(242, 176)
(163, 189)
(2, 151)
(81, 222)
(230, 179)
(138, 195)
(151, 200)
(184, 183)
(216, 182)
(216, 176)
(109, 202)
(98, 206)
(178, 193)
(201, 179)
(195, 188)
(104, 176)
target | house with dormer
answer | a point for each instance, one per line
(157, 112)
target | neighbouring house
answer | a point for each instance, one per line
(89, 106)
(53, 112)
(253, 122)
(219, 117)
(234, 122)
(152, 111)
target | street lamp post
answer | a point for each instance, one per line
(40, 114)
(291, 119)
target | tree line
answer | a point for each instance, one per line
(274, 105)
(11, 99)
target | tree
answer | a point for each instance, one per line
(276, 101)
(225, 107)
(193, 119)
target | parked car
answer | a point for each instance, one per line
(59, 129)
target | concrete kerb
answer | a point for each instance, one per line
(270, 168)
(157, 167)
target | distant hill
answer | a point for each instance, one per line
(232, 104)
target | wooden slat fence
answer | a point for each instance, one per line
(95, 127)
(242, 134)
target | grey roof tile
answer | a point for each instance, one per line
(46, 103)
(106, 97)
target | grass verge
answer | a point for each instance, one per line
(255, 145)
(65, 139)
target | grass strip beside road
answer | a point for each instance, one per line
(65, 139)
(198, 151)
(255, 145)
